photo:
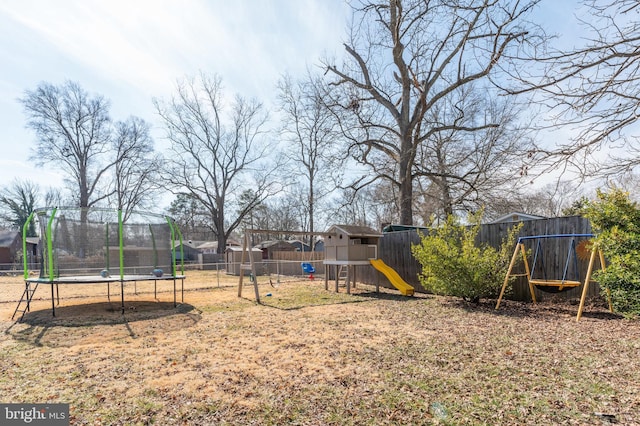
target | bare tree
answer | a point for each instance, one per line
(552, 200)
(136, 166)
(353, 208)
(372, 206)
(102, 162)
(465, 170)
(406, 58)
(214, 156)
(310, 132)
(73, 131)
(54, 197)
(593, 91)
(279, 213)
(17, 202)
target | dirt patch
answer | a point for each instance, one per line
(314, 357)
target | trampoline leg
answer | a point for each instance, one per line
(53, 302)
(174, 293)
(122, 295)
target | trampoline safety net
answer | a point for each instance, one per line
(75, 242)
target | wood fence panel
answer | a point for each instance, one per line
(395, 250)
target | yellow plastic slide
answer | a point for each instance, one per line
(393, 277)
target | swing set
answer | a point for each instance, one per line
(536, 274)
(306, 265)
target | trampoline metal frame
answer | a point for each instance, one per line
(87, 279)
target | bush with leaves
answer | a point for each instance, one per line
(616, 221)
(454, 265)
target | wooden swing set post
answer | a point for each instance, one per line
(506, 278)
(245, 245)
(519, 248)
(241, 272)
(587, 280)
(528, 272)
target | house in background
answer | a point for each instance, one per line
(299, 245)
(189, 251)
(516, 217)
(32, 252)
(10, 247)
(211, 247)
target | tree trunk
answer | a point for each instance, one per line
(406, 180)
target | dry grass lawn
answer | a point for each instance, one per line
(312, 357)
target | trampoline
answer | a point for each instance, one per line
(102, 246)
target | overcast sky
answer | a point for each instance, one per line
(131, 51)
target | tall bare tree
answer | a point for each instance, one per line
(102, 161)
(73, 131)
(593, 90)
(310, 131)
(405, 61)
(215, 154)
(466, 169)
(371, 206)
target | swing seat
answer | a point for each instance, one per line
(308, 268)
(555, 286)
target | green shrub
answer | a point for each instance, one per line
(616, 222)
(454, 265)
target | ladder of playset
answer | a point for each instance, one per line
(343, 274)
(27, 295)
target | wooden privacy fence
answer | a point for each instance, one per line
(395, 250)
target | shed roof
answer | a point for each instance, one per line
(300, 245)
(207, 245)
(400, 228)
(8, 237)
(279, 244)
(355, 230)
(239, 248)
(204, 245)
